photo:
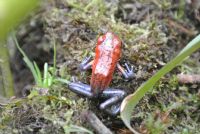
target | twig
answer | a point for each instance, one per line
(95, 123)
(188, 78)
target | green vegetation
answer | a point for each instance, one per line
(42, 114)
(145, 46)
(10, 15)
(42, 81)
(130, 101)
(152, 33)
(57, 101)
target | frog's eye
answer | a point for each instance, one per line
(117, 42)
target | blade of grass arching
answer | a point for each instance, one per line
(74, 128)
(31, 67)
(61, 80)
(130, 101)
(39, 75)
(45, 80)
(27, 61)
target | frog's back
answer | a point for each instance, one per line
(108, 50)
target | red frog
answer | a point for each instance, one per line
(107, 55)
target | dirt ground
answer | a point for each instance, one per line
(152, 32)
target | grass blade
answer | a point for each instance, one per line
(31, 67)
(62, 80)
(39, 75)
(45, 76)
(74, 128)
(50, 80)
(27, 60)
(130, 101)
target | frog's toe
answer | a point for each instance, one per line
(114, 109)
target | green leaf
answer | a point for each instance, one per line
(74, 128)
(50, 80)
(130, 101)
(39, 76)
(11, 14)
(62, 80)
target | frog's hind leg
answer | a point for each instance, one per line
(113, 102)
(81, 88)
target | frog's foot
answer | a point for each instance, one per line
(81, 88)
(113, 103)
(114, 109)
(86, 64)
(128, 72)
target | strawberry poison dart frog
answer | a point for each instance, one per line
(107, 55)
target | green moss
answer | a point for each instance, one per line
(50, 113)
(75, 25)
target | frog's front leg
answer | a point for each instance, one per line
(86, 64)
(79, 87)
(127, 72)
(113, 102)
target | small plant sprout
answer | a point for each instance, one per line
(48, 77)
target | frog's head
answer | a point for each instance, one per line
(109, 40)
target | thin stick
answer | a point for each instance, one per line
(95, 123)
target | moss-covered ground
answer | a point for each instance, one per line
(152, 32)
